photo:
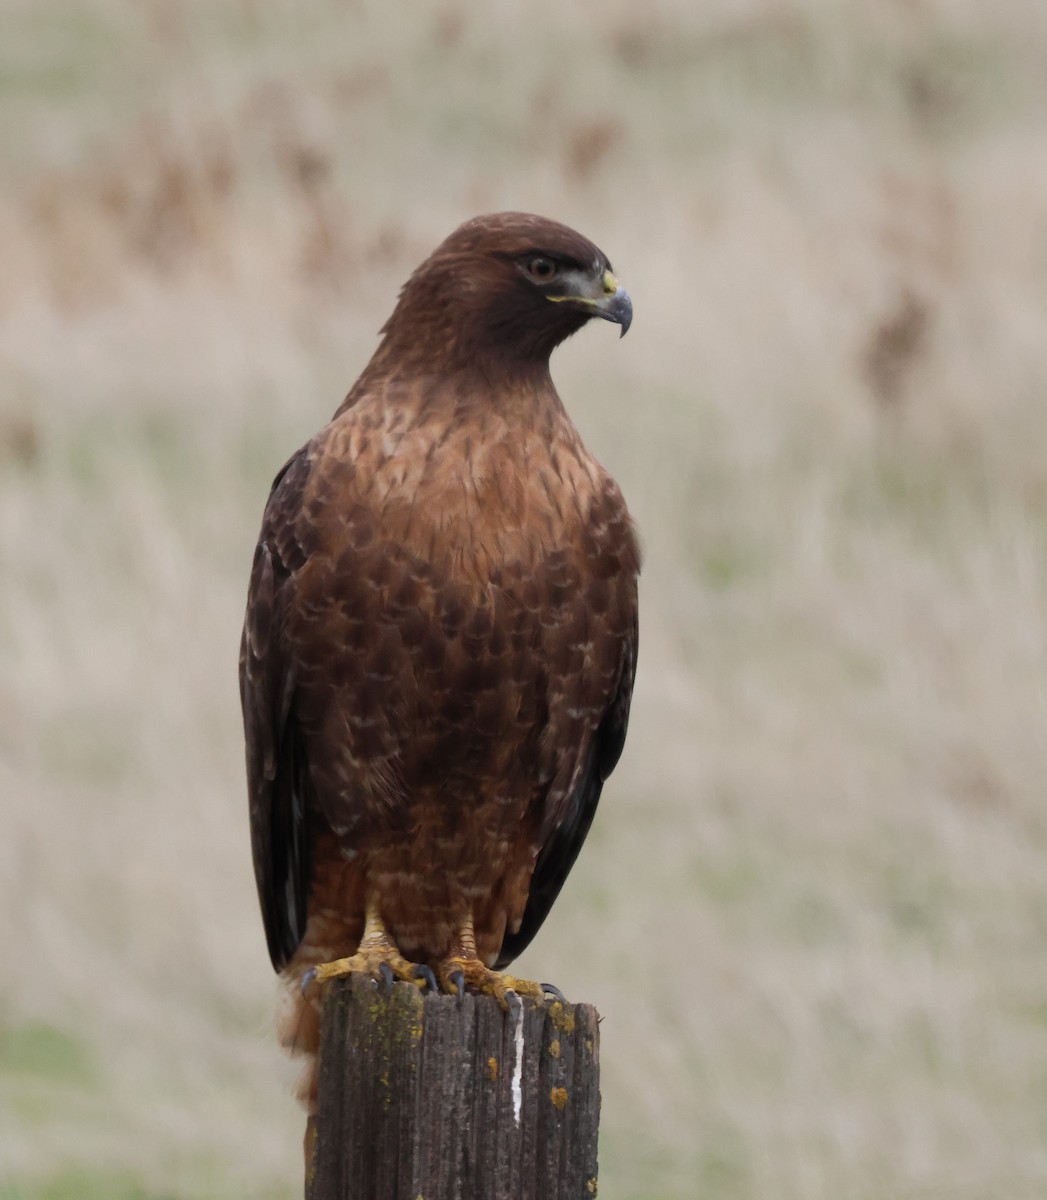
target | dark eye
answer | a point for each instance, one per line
(541, 268)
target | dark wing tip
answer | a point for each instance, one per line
(277, 770)
(559, 853)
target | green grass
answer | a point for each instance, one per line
(81, 1184)
(39, 1051)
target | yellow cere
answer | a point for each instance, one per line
(608, 286)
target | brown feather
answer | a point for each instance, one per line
(440, 635)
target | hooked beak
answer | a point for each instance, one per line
(617, 307)
(605, 298)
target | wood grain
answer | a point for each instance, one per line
(454, 1099)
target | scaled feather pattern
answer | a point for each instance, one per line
(440, 639)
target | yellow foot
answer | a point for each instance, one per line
(377, 956)
(381, 961)
(459, 972)
(377, 961)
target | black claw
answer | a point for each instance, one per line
(386, 972)
(513, 1001)
(308, 978)
(458, 979)
(421, 971)
(553, 991)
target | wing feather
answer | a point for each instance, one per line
(277, 767)
(560, 850)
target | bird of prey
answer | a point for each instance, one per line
(440, 640)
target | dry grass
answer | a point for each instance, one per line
(813, 911)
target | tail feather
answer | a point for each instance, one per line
(298, 1028)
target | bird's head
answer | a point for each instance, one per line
(507, 285)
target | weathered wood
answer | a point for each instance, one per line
(441, 1098)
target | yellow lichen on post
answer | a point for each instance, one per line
(561, 1017)
(484, 1103)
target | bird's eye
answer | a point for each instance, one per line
(541, 268)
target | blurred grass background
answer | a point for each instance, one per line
(814, 908)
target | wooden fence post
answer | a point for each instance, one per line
(431, 1097)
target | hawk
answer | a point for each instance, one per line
(438, 653)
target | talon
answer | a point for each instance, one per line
(553, 991)
(513, 1001)
(376, 956)
(425, 973)
(463, 969)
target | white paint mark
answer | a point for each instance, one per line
(518, 1047)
